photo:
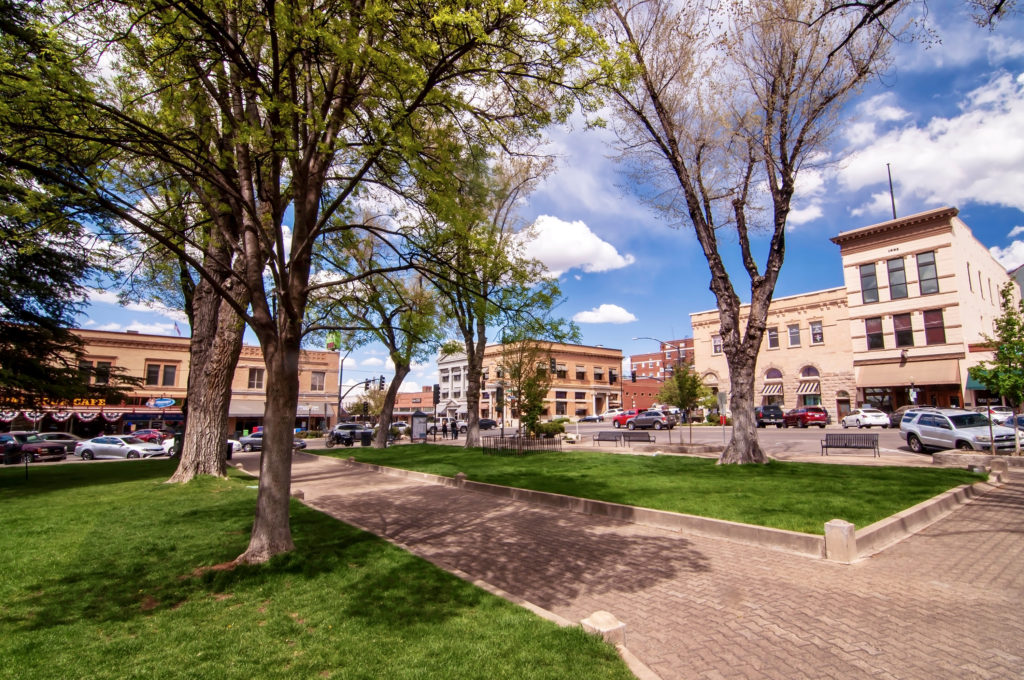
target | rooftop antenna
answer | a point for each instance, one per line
(892, 196)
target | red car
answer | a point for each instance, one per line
(627, 415)
(804, 416)
(150, 435)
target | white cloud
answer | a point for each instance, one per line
(372, 362)
(140, 327)
(107, 297)
(803, 215)
(605, 314)
(1016, 231)
(976, 156)
(1012, 256)
(562, 245)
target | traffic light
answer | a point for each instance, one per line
(437, 395)
(366, 384)
(382, 383)
(633, 376)
(366, 409)
(553, 366)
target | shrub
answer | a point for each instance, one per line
(549, 429)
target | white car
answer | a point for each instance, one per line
(997, 414)
(865, 417)
(609, 414)
(118, 446)
(168, 444)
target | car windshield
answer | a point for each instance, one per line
(131, 440)
(969, 420)
(27, 438)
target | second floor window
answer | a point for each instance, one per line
(817, 333)
(716, 344)
(598, 373)
(581, 373)
(316, 381)
(897, 279)
(773, 337)
(873, 331)
(255, 378)
(934, 328)
(903, 329)
(868, 283)
(927, 276)
(157, 374)
(794, 335)
(580, 396)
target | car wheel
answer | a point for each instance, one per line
(247, 447)
(87, 455)
(964, 446)
(914, 443)
(885, 427)
(778, 426)
(803, 423)
(785, 424)
(462, 430)
(657, 426)
(133, 454)
(616, 425)
(843, 423)
(631, 425)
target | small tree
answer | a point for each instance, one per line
(1004, 375)
(684, 390)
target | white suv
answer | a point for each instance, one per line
(952, 428)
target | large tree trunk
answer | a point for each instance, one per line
(380, 440)
(744, 446)
(213, 355)
(271, 530)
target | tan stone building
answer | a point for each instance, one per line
(162, 362)
(922, 292)
(805, 356)
(587, 381)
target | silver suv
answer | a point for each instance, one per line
(655, 419)
(952, 428)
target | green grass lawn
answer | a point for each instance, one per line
(794, 496)
(103, 576)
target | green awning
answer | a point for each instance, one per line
(973, 384)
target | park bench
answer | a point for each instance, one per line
(635, 436)
(608, 436)
(849, 440)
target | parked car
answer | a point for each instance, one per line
(897, 416)
(34, 449)
(591, 419)
(769, 414)
(659, 420)
(488, 423)
(865, 417)
(953, 428)
(998, 414)
(609, 414)
(118, 446)
(621, 419)
(435, 427)
(254, 442)
(66, 438)
(168, 445)
(152, 435)
(804, 416)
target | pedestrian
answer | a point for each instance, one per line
(455, 430)
(444, 430)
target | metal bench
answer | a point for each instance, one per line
(849, 440)
(636, 436)
(608, 436)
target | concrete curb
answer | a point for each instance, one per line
(859, 544)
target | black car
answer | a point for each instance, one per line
(487, 424)
(769, 414)
(254, 442)
(591, 419)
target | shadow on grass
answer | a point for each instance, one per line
(43, 479)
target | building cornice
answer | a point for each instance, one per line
(945, 215)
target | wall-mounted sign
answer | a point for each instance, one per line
(161, 402)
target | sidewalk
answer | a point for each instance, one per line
(945, 603)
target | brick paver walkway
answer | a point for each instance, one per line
(945, 603)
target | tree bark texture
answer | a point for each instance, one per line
(213, 355)
(744, 446)
(271, 530)
(380, 440)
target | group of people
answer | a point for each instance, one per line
(454, 430)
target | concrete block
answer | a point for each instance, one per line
(840, 541)
(999, 466)
(607, 626)
(460, 478)
(298, 493)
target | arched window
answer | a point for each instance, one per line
(809, 372)
(773, 374)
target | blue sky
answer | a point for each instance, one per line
(948, 118)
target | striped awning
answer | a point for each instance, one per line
(809, 387)
(772, 388)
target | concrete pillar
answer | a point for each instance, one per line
(460, 478)
(607, 626)
(840, 541)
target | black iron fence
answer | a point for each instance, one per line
(496, 445)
